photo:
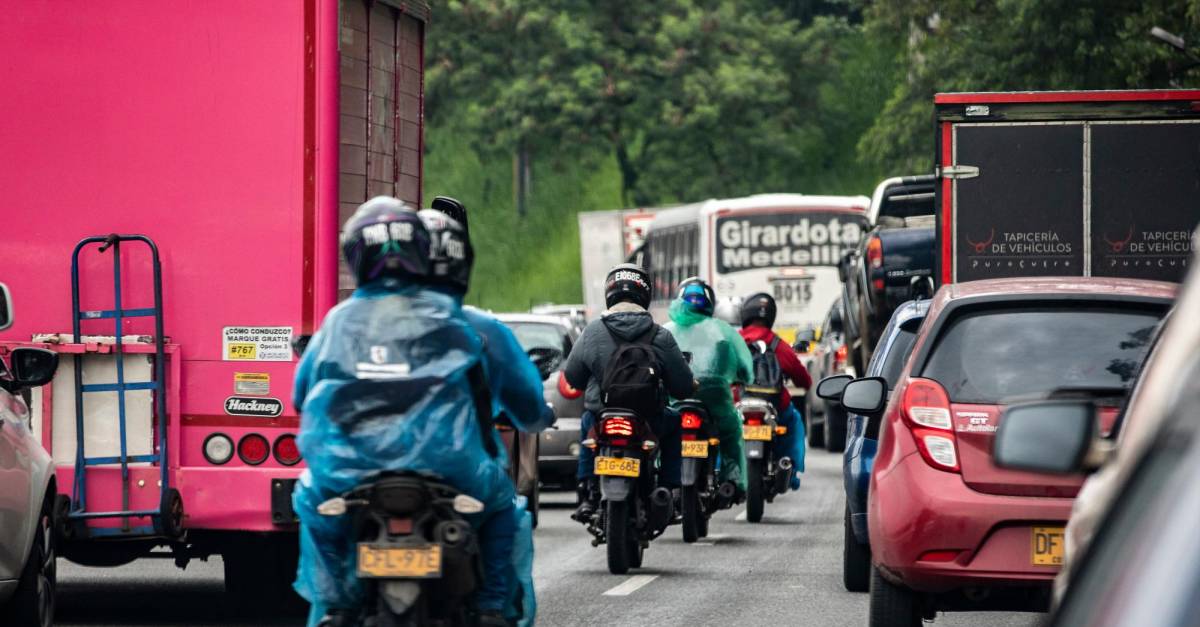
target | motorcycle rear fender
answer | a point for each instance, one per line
(615, 488)
(690, 471)
(756, 450)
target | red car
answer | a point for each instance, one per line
(949, 530)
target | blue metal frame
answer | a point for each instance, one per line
(78, 510)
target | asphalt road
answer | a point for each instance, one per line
(783, 571)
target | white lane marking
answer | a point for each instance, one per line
(716, 537)
(702, 544)
(630, 586)
(741, 517)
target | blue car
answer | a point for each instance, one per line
(862, 435)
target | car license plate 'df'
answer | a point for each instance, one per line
(1047, 546)
(395, 562)
(756, 432)
(618, 466)
(697, 448)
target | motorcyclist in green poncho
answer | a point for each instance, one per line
(720, 359)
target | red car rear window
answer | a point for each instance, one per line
(990, 356)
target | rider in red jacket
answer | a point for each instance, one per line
(758, 316)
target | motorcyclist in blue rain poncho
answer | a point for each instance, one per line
(386, 384)
(720, 359)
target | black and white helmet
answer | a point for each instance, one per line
(627, 282)
(450, 253)
(386, 239)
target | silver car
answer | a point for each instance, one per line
(27, 554)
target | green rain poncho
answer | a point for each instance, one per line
(720, 359)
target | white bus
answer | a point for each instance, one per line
(787, 245)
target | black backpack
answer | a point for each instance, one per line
(768, 375)
(632, 376)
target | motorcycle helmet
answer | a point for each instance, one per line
(450, 253)
(760, 306)
(627, 282)
(453, 208)
(698, 296)
(386, 239)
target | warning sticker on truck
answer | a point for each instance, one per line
(252, 383)
(256, 343)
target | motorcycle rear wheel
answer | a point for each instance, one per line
(754, 490)
(691, 514)
(616, 533)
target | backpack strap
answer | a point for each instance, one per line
(481, 394)
(774, 345)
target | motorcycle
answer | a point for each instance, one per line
(700, 494)
(634, 510)
(418, 558)
(767, 472)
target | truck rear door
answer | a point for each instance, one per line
(1067, 184)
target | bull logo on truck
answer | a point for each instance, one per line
(1119, 245)
(982, 246)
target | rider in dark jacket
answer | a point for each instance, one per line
(627, 295)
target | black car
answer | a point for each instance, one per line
(825, 423)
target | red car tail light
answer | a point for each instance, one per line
(926, 408)
(618, 425)
(938, 556)
(286, 451)
(690, 420)
(253, 449)
(839, 357)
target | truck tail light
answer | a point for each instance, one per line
(875, 260)
(253, 449)
(218, 448)
(926, 409)
(286, 451)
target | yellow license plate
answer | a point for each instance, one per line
(756, 432)
(422, 562)
(1047, 546)
(618, 466)
(695, 449)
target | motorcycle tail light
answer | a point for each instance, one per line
(286, 451)
(754, 417)
(218, 448)
(690, 420)
(400, 526)
(253, 449)
(618, 425)
(926, 409)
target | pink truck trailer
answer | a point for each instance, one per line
(174, 175)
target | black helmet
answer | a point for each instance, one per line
(453, 208)
(450, 254)
(698, 296)
(627, 282)
(385, 239)
(760, 306)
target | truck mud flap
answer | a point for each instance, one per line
(755, 450)
(689, 471)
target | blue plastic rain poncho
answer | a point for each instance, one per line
(384, 386)
(720, 359)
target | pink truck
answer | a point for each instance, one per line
(174, 175)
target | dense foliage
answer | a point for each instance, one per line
(622, 103)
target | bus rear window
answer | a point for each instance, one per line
(989, 357)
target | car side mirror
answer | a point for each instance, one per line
(1046, 436)
(5, 307)
(830, 388)
(546, 359)
(867, 396)
(33, 367)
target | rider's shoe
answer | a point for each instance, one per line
(589, 501)
(493, 618)
(676, 506)
(795, 481)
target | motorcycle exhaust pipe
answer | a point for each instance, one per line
(784, 476)
(660, 508)
(725, 493)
